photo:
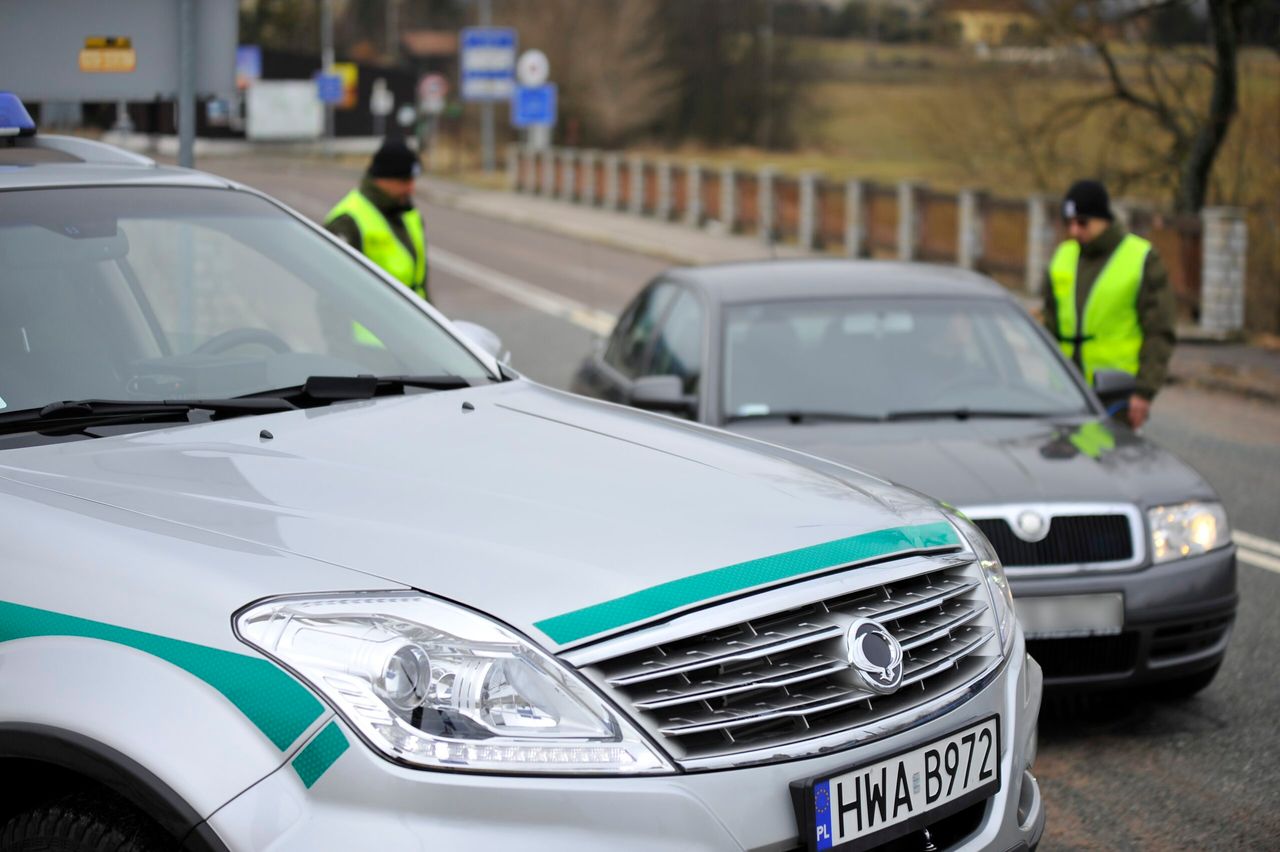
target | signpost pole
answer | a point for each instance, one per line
(486, 108)
(186, 83)
(326, 64)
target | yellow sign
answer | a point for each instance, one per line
(108, 55)
(350, 74)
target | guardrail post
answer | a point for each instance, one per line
(765, 203)
(549, 172)
(568, 163)
(907, 231)
(636, 205)
(589, 177)
(662, 211)
(693, 195)
(855, 228)
(1039, 239)
(969, 236)
(611, 168)
(728, 197)
(1222, 276)
(807, 228)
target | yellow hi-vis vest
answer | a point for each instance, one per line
(1110, 337)
(380, 243)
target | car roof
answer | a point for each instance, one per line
(773, 280)
(66, 161)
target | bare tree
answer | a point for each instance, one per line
(1187, 97)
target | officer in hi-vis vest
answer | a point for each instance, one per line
(379, 219)
(1107, 298)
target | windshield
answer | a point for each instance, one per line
(177, 293)
(877, 359)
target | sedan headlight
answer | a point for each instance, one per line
(432, 684)
(993, 572)
(1187, 529)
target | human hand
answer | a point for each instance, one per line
(1139, 410)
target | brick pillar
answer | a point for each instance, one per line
(693, 191)
(969, 236)
(1039, 244)
(611, 168)
(1222, 274)
(808, 226)
(728, 197)
(663, 209)
(568, 162)
(855, 229)
(636, 200)
(589, 188)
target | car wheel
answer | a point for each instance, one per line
(83, 823)
(1189, 685)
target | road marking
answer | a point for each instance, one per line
(1256, 542)
(529, 295)
(1258, 560)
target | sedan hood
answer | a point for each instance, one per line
(517, 500)
(981, 462)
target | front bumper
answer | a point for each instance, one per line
(1177, 622)
(363, 800)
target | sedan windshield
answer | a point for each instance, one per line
(165, 293)
(865, 359)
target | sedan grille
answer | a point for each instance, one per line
(1072, 540)
(777, 680)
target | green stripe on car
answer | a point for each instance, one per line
(314, 760)
(281, 707)
(699, 588)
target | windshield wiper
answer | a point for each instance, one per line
(73, 415)
(801, 416)
(960, 414)
(322, 390)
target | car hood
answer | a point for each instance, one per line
(982, 462)
(525, 503)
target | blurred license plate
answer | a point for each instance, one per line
(1070, 615)
(873, 804)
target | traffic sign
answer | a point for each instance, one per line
(488, 63)
(534, 106)
(329, 88)
(431, 91)
(533, 68)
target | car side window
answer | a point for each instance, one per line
(631, 338)
(677, 350)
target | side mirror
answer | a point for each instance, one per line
(661, 393)
(484, 338)
(1113, 386)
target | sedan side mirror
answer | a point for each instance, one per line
(1113, 386)
(484, 338)
(661, 393)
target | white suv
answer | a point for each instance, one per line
(288, 563)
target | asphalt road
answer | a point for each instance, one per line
(1128, 774)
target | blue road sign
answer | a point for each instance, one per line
(534, 106)
(488, 63)
(329, 88)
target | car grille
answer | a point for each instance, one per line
(1072, 540)
(774, 681)
(1085, 655)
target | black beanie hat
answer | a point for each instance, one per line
(394, 160)
(1087, 198)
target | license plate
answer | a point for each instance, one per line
(875, 803)
(1070, 615)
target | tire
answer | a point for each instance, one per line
(83, 822)
(1188, 685)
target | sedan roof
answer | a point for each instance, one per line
(770, 280)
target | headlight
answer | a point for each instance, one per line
(1187, 529)
(435, 685)
(993, 572)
